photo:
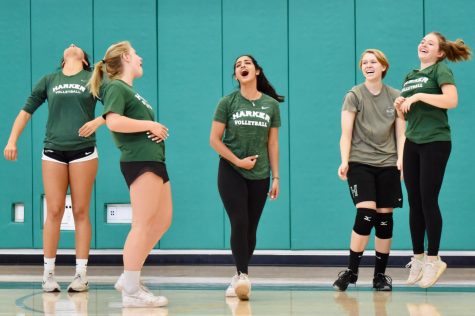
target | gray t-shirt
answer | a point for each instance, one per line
(374, 137)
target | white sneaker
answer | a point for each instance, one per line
(243, 287)
(431, 272)
(49, 283)
(230, 290)
(143, 299)
(119, 285)
(79, 283)
(415, 274)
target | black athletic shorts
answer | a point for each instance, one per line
(134, 169)
(69, 156)
(379, 184)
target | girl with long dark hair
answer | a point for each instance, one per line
(245, 135)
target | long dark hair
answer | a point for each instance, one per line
(263, 85)
(84, 66)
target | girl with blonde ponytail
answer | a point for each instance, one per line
(111, 64)
(142, 143)
(426, 96)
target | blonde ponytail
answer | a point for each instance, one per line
(94, 83)
(111, 65)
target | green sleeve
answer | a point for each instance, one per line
(101, 93)
(113, 100)
(275, 121)
(221, 113)
(444, 75)
(37, 97)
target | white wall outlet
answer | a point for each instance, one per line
(119, 213)
(19, 213)
(67, 222)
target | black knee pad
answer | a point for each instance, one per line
(364, 221)
(384, 225)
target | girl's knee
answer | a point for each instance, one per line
(81, 213)
(55, 213)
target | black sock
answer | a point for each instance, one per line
(381, 261)
(355, 258)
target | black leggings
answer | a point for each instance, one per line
(424, 168)
(244, 201)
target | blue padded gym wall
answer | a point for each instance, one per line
(309, 50)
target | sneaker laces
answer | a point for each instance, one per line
(147, 296)
(50, 277)
(415, 265)
(345, 275)
(244, 277)
(385, 278)
(412, 262)
(144, 288)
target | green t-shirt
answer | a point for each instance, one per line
(120, 98)
(373, 140)
(427, 123)
(70, 106)
(247, 129)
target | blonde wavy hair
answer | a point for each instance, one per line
(111, 65)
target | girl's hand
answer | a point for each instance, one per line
(407, 103)
(398, 102)
(248, 163)
(274, 191)
(89, 128)
(399, 167)
(343, 170)
(10, 152)
(154, 138)
(158, 133)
